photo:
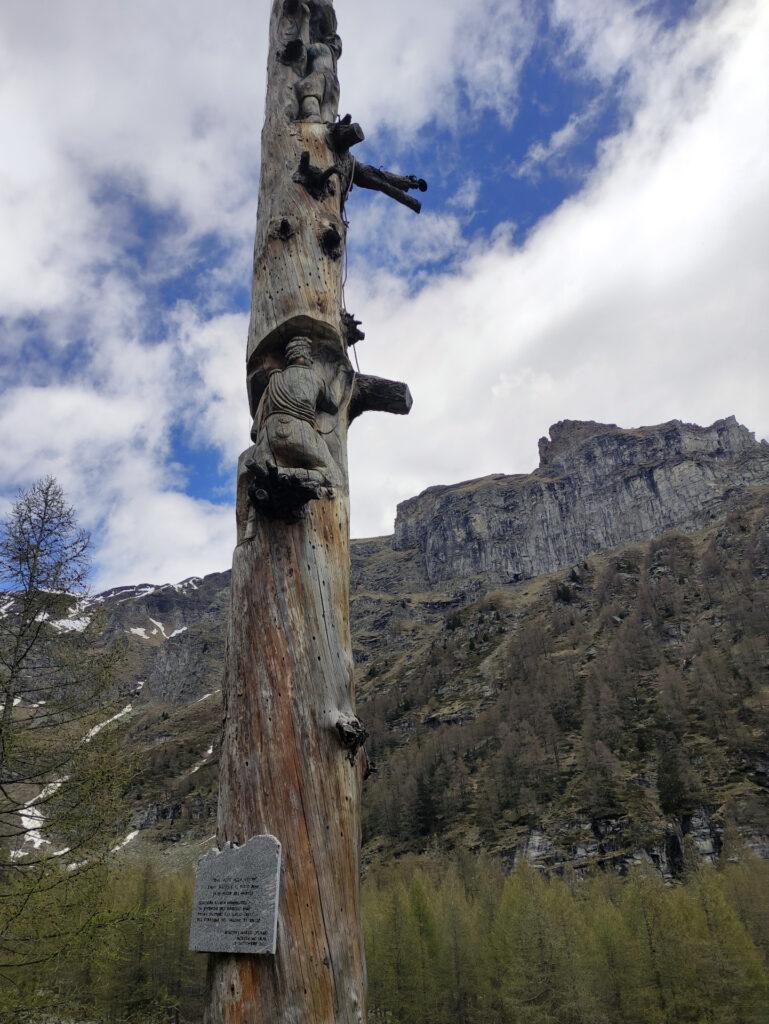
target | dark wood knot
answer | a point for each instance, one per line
(293, 52)
(331, 242)
(315, 180)
(351, 328)
(352, 735)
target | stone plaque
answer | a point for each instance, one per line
(236, 899)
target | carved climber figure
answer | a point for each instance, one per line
(323, 24)
(291, 462)
(318, 91)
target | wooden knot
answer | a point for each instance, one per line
(316, 181)
(351, 327)
(352, 735)
(282, 229)
(344, 135)
(369, 768)
(373, 394)
(331, 242)
(284, 494)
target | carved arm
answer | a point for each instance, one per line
(395, 186)
(402, 181)
(374, 394)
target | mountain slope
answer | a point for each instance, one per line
(603, 710)
(602, 714)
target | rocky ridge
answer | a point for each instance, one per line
(597, 487)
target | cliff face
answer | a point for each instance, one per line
(610, 713)
(613, 710)
(597, 487)
(172, 636)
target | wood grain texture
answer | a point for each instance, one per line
(297, 287)
(289, 678)
(291, 764)
(289, 670)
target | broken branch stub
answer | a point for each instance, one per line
(375, 394)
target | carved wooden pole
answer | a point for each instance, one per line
(290, 763)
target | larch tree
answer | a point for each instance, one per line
(61, 776)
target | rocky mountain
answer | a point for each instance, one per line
(597, 487)
(172, 634)
(570, 666)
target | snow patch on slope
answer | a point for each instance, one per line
(203, 763)
(124, 842)
(103, 725)
(32, 819)
(77, 625)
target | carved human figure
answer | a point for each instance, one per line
(323, 23)
(313, 21)
(318, 91)
(291, 461)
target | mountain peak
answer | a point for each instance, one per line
(598, 486)
(567, 435)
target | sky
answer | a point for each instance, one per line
(594, 244)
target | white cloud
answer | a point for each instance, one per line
(168, 98)
(392, 236)
(429, 59)
(109, 455)
(642, 299)
(551, 152)
(105, 104)
(628, 304)
(158, 534)
(98, 89)
(210, 361)
(609, 36)
(466, 196)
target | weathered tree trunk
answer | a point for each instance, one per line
(284, 772)
(297, 287)
(290, 764)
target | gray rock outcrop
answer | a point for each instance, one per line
(597, 487)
